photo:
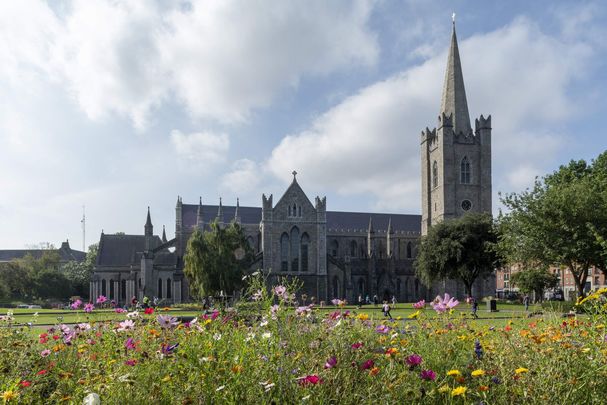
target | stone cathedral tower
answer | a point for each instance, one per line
(456, 161)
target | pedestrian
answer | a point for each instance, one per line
(394, 301)
(474, 304)
(526, 302)
(375, 300)
(386, 310)
(367, 299)
(360, 300)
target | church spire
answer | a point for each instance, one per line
(454, 93)
(199, 218)
(149, 228)
(220, 212)
(236, 212)
(164, 235)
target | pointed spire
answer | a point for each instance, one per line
(390, 230)
(454, 93)
(199, 217)
(149, 228)
(178, 201)
(220, 211)
(164, 235)
(237, 213)
(370, 228)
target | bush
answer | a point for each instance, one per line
(558, 306)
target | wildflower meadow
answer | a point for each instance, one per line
(272, 351)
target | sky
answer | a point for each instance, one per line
(121, 105)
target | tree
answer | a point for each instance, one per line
(216, 260)
(460, 249)
(558, 222)
(535, 280)
(79, 273)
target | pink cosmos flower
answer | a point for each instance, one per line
(414, 360)
(167, 321)
(119, 310)
(257, 296)
(367, 364)
(427, 375)
(332, 362)
(126, 325)
(130, 362)
(129, 344)
(76, 304)
(101, 299)
(310, 380)
(420, 304)
(88, 308)
(383, 329)
(338, 302)
(45, 353)
(305, 310)
(441, 305)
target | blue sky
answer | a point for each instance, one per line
(121, 105)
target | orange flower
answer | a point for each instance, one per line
(154, 332)
(508, 328)
(483, 388)
(374, 371)
(237, 369)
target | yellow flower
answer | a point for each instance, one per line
(414, 315)
(363, 317)
(459, 391)
(8, 395)
(478, 373)
(454, 372)
(444, 388)
(521, 370)
(167, 378)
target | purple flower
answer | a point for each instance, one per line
(130, 362)
(414, 360)
(332, 362)
(167, 321)
(441, 305)
(420, 304)
(383, 329)
(478, 349)
(305, 310)
(129, 344)
(76, 304)
(168, 349)
(101, 299)
(367, 364)
(427, 375)
(88, 308)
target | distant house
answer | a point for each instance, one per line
(66, 253)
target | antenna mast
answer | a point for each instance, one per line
(83, 222)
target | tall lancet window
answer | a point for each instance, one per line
(295, 249)
(284, 252)
(464, 170)
(435, 174)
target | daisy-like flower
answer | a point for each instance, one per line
(310, 380)
(459, 391)
(76, 304)
(445, 303)
(148, 311)
(367, 364)
(427, 375)
(129, 344)
(414, 360)
(383, 329)
(101, 299)
(454, 373)
(281, 291)
(133, 314)
(521, 370)
(89, 307)
(420, 304)
(478, 373)
(45, 353)
(167, 321)
(257, 296)
(331, 362)
(126, 325)
(356, 345)
(305, 310)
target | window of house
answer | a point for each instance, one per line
(464, 171)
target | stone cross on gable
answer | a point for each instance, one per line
(294, 173)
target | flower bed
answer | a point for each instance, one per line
(289, 354)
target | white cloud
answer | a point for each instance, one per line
(369, 144)
(243, 178)
(201, 149)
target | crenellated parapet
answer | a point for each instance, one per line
(321, 204)
(482, 123)
(445, 120)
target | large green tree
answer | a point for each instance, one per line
(216, 260)
(535, 280)
(560, 221)
(461, 249)
(79, 273)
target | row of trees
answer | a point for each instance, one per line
(561, 221)
(46, 277)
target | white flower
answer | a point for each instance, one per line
(126, 325)
(220, 388)
(266, 335)
(133, 314)
(92, 399)
(264, 323)
(217, 336)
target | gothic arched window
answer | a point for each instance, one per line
(169, 288)
(295, 249)
(305, 241)
(409, 251)
(464, 171)
(435, 174)
(103, 288)
(112, 290)
(335, 287)
(361, 286)
(284, 252)
(123, 290)
(353, 248)
(334, 248)
(159, 288)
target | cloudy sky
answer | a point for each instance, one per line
(117, 105)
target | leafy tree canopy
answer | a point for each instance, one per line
(535, 280)
(460, 249)
(216, 260)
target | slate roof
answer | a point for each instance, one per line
(335, 219)
(65, 253)
(126, 250)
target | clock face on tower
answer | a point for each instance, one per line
(466, 205)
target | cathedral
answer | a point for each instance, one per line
(335, 254)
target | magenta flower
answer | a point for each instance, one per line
(167, 321)
(427, 375)
(129, 344)
(356, 345)
(45, 353)
(88, 308)
(76, 304)
(441, 305)
(119, 310)
(414, 360)
(130, 362)
(332, 362)
(383, 329)
(367, 364)
(420, 304)
(101, 299)
(310, 380)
